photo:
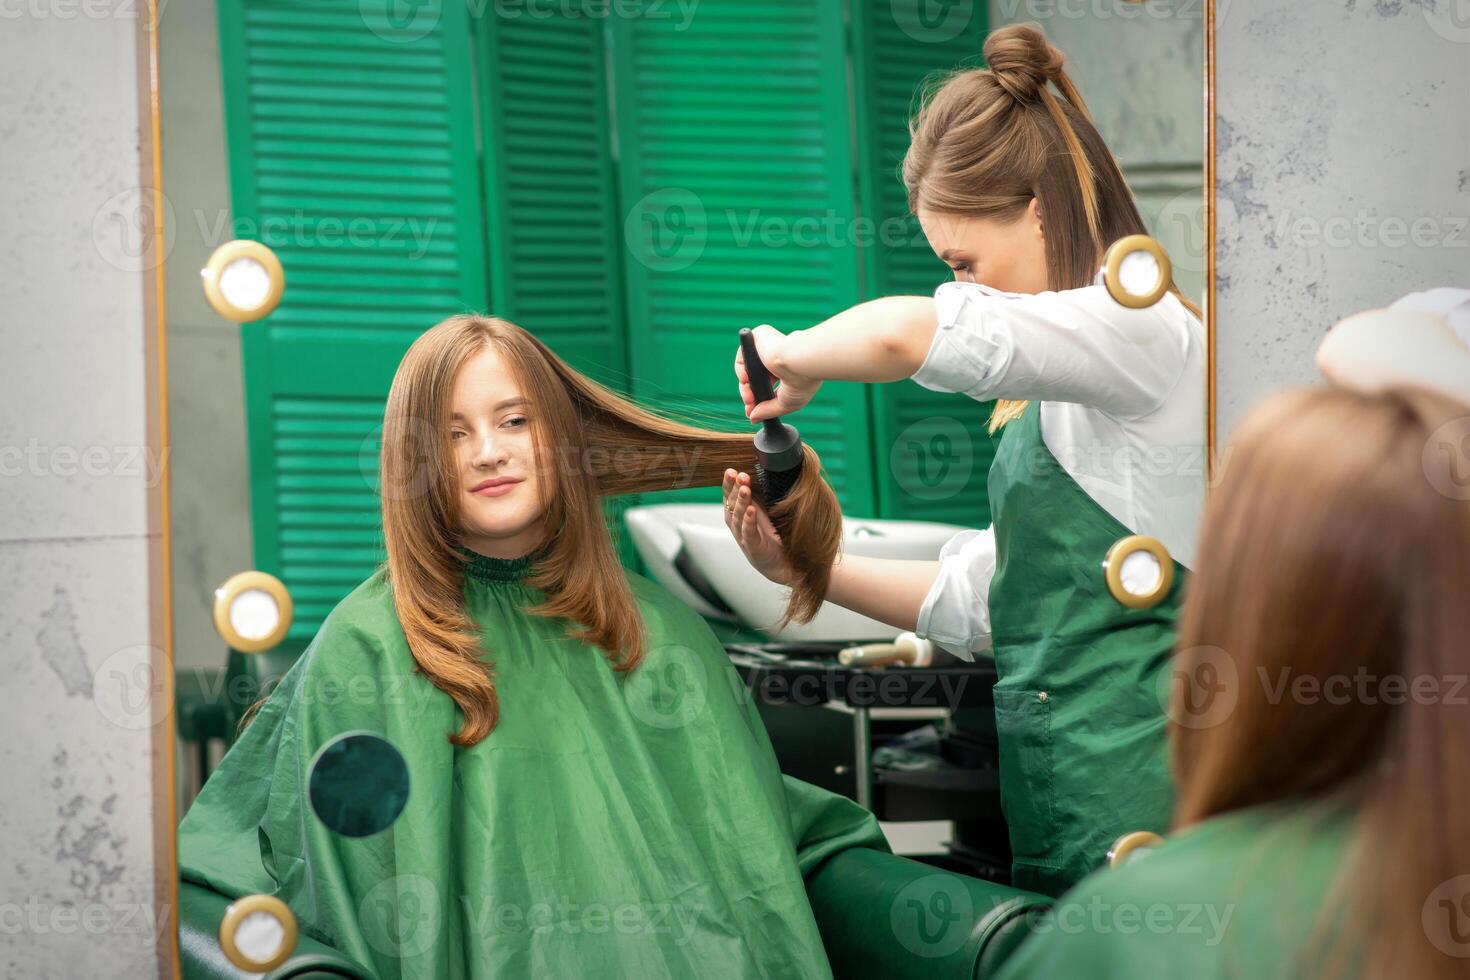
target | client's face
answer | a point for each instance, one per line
(490, 430)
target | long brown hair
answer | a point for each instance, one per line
(591, 443)
(1337, 544)
(986, 141)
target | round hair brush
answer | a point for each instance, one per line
(777, 445)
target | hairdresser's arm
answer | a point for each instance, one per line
(944, 600)
(1074, 345)
(880, 340)
(1376, 349)
(889, 590)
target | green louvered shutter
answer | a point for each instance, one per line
(555, 234)
(734, 134)
(352, 154)
(555, 237)
(932, 452)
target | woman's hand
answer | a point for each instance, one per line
(753, 530)
(792, 393)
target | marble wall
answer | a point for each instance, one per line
(81, 621)
(1343, 179)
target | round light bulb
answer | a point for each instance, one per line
(254, 614)
(1141, 573)
(245, 283)
(252, 611)
(258, 933)
(259, 936)
(1138, 273)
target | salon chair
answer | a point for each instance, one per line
(880, 916)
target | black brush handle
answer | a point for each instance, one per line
(755, 368)
(777, 445)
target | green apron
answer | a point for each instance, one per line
(1077, 706)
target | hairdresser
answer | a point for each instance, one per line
(1102, 414)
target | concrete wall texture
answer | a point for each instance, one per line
(79, 538)
(1343, 174)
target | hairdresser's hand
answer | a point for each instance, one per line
(753, 530)
(792, 393)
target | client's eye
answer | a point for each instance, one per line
(517, 421)
(456, 434)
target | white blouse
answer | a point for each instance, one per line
(1122, 395)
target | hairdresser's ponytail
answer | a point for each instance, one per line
(986, 142)
(1026, 65)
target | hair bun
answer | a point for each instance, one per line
(1022, 60)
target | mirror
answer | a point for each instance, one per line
(632, 188)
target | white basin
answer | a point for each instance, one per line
(659, 530)
(655, 531)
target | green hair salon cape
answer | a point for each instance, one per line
(613, 825)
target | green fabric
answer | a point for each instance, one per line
(1078, 711)
(1250, 894)
(613, 825)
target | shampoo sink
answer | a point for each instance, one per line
(689, 550)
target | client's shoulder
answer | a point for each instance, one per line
(1265, 850)
(363, 624)
(667, 617)
(368, 606)
(652, 596)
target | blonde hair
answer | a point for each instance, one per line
(617, 446)
(987, 141)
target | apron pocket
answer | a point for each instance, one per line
(1027, 783)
